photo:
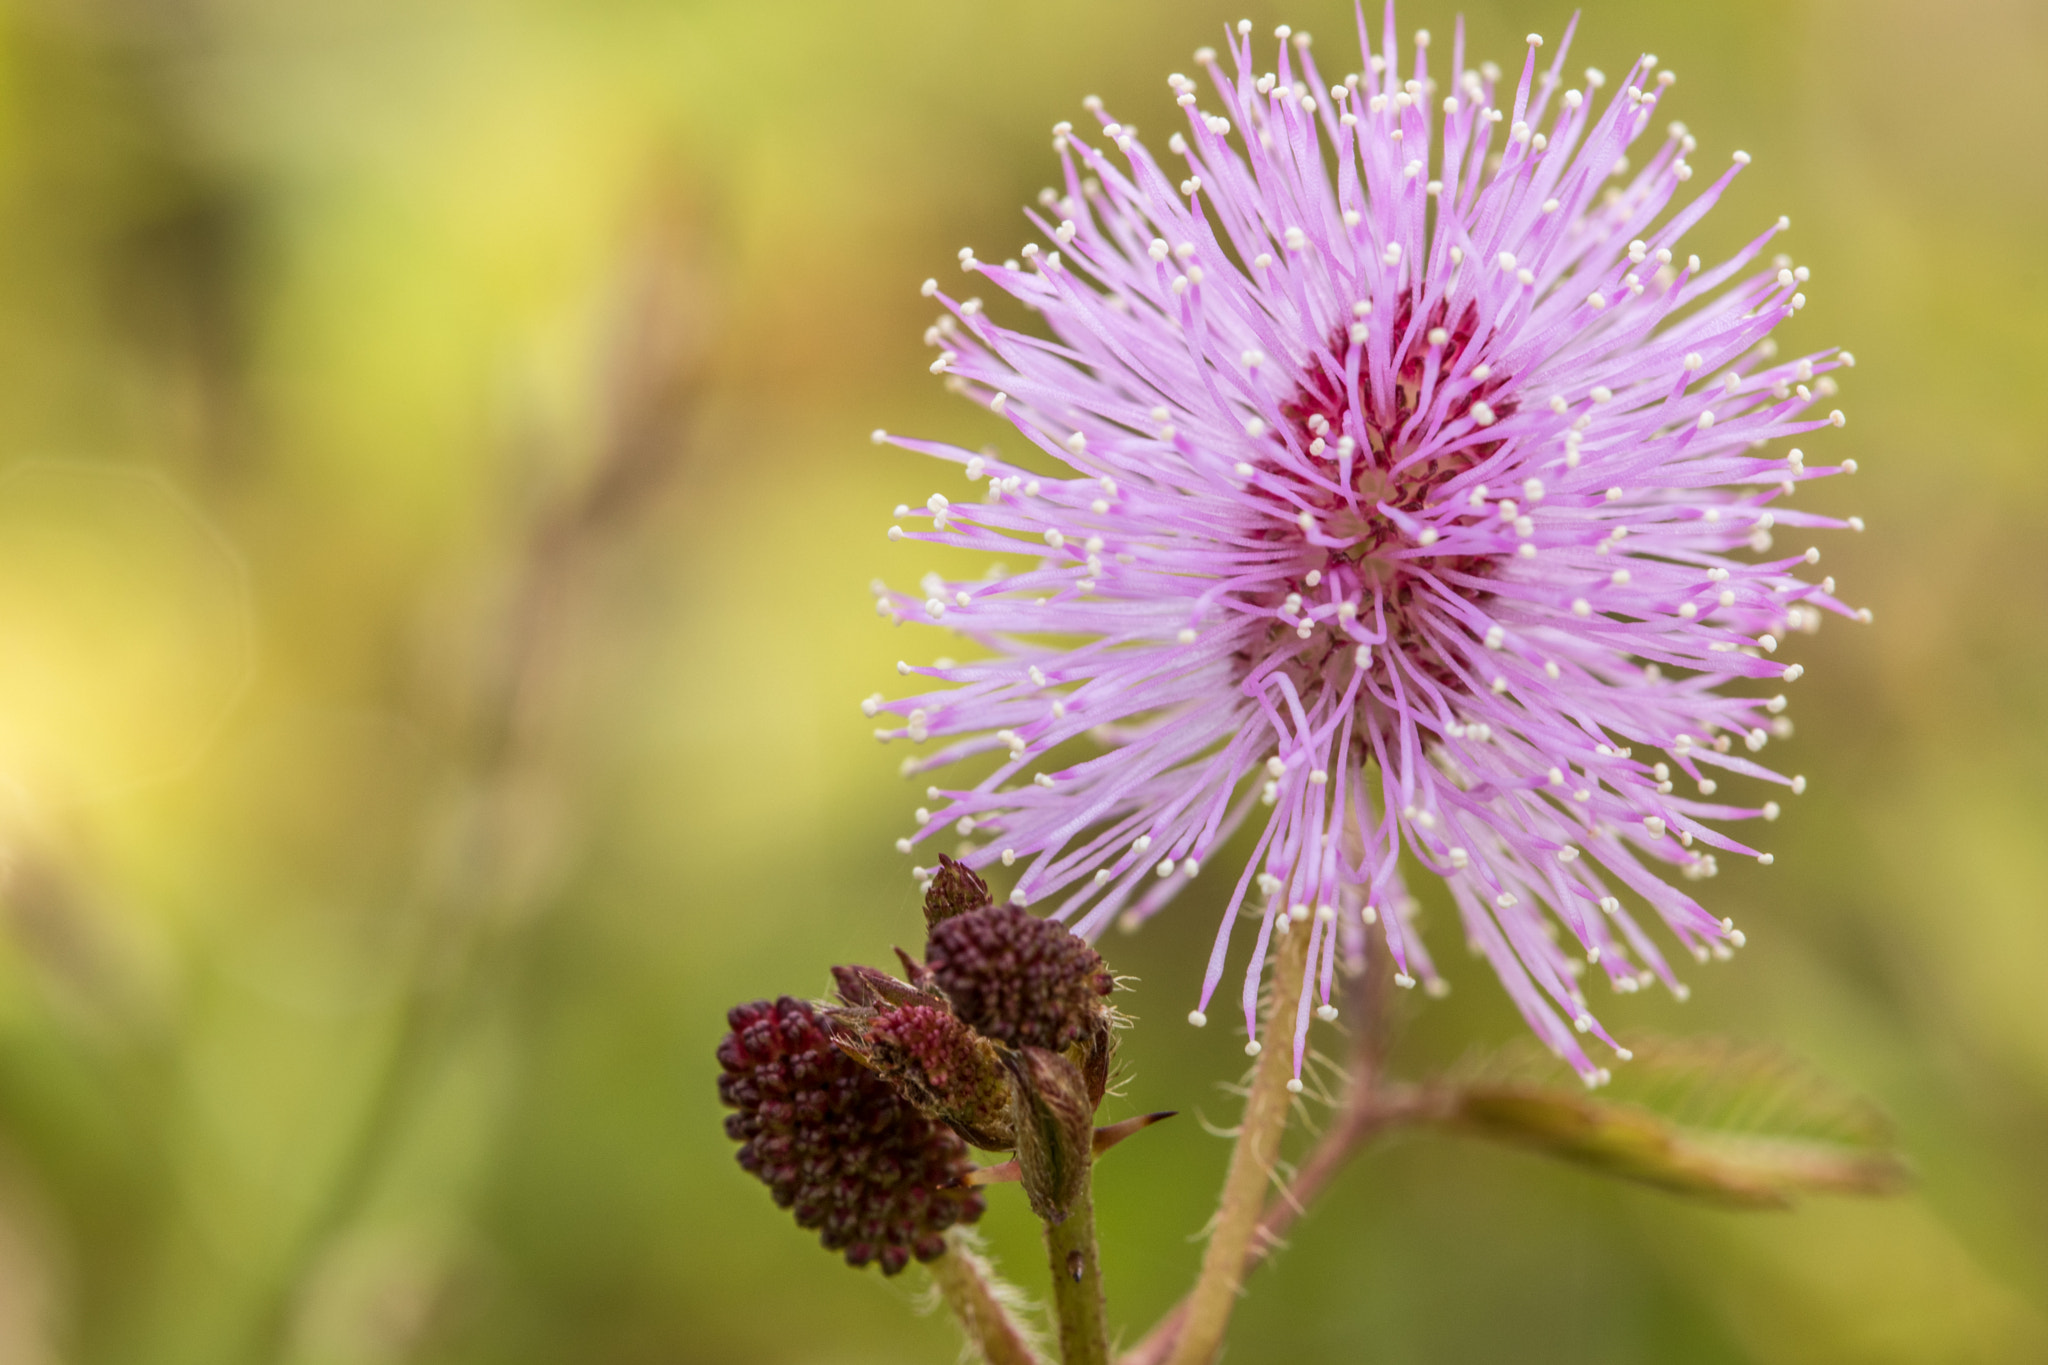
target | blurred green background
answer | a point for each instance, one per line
(436, 517)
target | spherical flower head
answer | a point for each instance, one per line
(834, 1143)
(1425, 505)
(1018, 979)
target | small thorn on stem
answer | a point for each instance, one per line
(1009, 1172)
(1002, 1173)
(1110, 1135)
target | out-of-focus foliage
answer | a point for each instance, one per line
(435, 522)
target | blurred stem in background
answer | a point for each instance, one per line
(493, 868)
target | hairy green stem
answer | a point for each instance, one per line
(1224, 1263)
(1354, 1131)
(1077, 1285)
(965, 1283)
(1369, 1108)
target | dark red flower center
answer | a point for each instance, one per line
(1363, 478)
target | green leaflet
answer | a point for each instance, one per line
(1746, 1126)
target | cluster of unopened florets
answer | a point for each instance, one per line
(909, 1036)
(836, 1144)
(933, 1057)
(857, 1115)
(1019, 979)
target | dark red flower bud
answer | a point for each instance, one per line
(945, 1069)
(867, 988)
(835, 1144)
(1019, 979)
(954, 890)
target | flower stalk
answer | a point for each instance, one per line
(1056, 1159)
(1251, 1163)
(965, 1283)
(1077, 1284)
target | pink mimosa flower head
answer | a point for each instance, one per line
(1426, 496)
